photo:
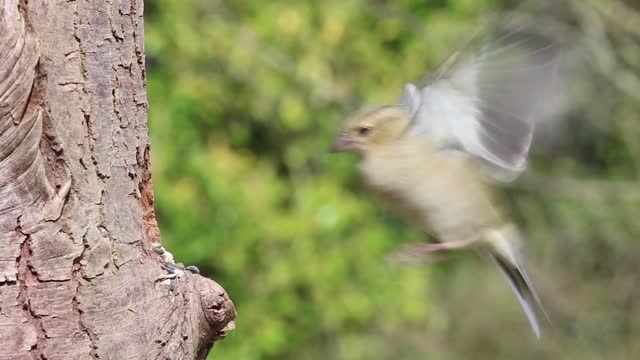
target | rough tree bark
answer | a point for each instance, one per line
(78, 277)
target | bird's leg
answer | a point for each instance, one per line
(428, 252)
(448, 245)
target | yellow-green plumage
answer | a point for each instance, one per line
(430, 156)
(440, 191)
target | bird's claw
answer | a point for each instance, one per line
(415, 255)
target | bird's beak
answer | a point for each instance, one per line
(343, 143)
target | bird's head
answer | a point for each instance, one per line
(372, 127)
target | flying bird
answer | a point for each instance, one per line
(434, 155)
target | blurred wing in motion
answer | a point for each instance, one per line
(487, 104)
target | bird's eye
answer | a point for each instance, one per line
(364, 130)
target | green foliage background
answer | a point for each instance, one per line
(245, 97)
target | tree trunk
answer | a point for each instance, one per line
(78, 274)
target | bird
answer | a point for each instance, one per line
(435, 155)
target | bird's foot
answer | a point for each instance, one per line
(413, 254)
(427, 253)
(449, 245)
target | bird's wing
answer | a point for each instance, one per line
(486, 103)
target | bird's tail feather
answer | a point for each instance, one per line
(524, 291)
